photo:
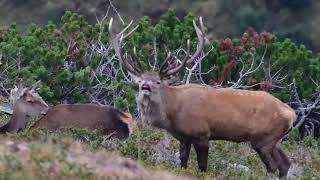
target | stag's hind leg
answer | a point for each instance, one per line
(185, 147)
(202, 149)
(282, 160)
(265, 153)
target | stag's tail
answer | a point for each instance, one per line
(291, 116)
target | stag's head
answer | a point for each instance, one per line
(151, 83)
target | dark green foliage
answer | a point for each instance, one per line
(299, 63)
(170, 33)
(44, 53)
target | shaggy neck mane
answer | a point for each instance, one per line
(153, 110)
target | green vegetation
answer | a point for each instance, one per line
(62, 58)
(295, 19)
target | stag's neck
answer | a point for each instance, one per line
(155, 111)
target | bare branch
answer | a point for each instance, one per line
(198, 62)
(305, 109)
(249, 71)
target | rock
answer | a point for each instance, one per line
(240, 167)
(295, 171)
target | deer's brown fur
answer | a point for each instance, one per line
(228, 114)
(195, 114)
(28, 104)
(88, 116)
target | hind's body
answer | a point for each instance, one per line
(87, 116)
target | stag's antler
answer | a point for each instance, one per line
(36, 85)
(186, 61)
(116, 40)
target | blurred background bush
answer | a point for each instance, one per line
(294, 19)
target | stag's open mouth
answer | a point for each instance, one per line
(146, 87)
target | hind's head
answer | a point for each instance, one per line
(28, 103)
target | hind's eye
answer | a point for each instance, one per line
(158, 82)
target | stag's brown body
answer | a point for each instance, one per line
(195, 114)
(87, 116)
(220, 114)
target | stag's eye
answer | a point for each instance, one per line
(158, 82)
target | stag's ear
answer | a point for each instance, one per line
(171, 80)
(168, 82)
(135, 78)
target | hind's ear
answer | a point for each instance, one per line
(36, 85)
(21, 92)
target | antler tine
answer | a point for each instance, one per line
(183, 63)
(201, 38)
(116, 41)
(139, 68)
(163, 65)
(186, 61)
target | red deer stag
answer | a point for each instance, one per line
(28, 103)
(88, 116)
(195, 114)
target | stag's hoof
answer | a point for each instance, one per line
(203, 168)
(270, 177)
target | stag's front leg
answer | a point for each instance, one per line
(202, 149)
(185, 147)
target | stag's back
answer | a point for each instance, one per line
(87, 116)
(227, 113)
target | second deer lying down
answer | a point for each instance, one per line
(195, 114)
(28, 104)
(88, 116)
